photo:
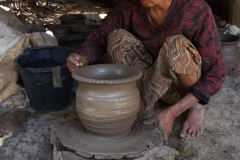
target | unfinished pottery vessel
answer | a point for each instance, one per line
(230, 51)
(107, 98)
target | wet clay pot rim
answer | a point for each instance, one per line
(96, 74)
(229, 39)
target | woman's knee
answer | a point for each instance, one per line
(182, 56)
(116, 34)
(114, 39)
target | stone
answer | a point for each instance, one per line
(11, 122)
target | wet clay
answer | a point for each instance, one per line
(107, 99)
(79, 141)
(230, 51)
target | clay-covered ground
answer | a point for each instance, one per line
(220, 140)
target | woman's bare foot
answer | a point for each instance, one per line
(193, 126)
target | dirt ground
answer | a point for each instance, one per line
(221, 136)
(220, 139)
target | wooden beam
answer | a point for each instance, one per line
(234, 12)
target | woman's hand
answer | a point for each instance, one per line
(75, 61)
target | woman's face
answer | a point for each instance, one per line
(151, 3)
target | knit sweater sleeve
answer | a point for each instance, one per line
(207, 42)
(96, 43)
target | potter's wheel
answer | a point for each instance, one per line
(74, 137)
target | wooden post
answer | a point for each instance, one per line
(234, 12)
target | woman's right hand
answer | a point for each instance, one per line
(75, 61)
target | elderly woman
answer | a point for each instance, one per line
(176, 45)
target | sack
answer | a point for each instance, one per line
(11, 20)
(8, 37)
(8, 70)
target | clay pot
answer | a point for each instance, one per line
(85, 28)
(73, 41)
(73, 20)
(107, 99)
(230, 51)
(221, 30)
(58, 30)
